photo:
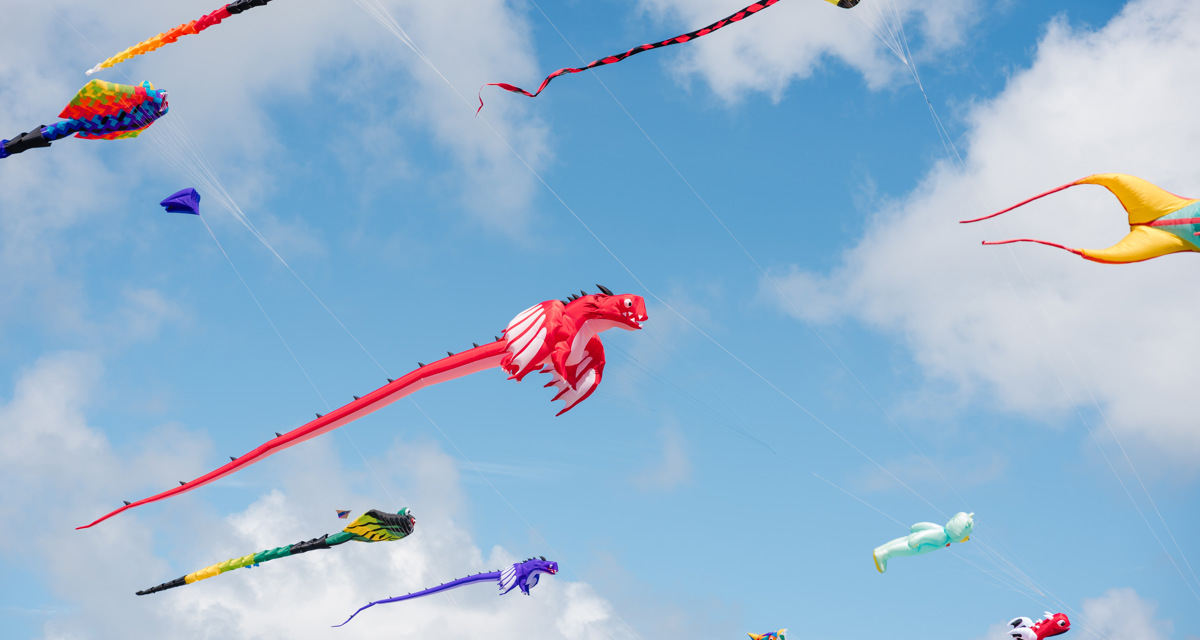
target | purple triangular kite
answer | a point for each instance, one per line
(184, 201)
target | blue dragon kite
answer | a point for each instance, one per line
(522, 575)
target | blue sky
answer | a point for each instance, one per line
(745, 451)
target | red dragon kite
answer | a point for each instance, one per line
(555, 337)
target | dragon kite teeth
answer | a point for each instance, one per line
(552, 337)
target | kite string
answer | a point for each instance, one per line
(264, 311)
(1096, 441)
(873, 507)
(739, 426)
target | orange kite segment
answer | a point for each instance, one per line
(185, 29)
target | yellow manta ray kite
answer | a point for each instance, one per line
(1160, 222)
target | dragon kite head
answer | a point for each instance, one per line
(535, 568)
(1052, 625)
(606, 310)
(541, 564)
(381, 526)
(560, 337)
(109, 111)
(524, 575)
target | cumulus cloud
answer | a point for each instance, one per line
(1122, 613)
(1039, 330)
(769, 53)
(998, 631)
(58, 467)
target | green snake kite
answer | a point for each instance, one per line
(372, 526)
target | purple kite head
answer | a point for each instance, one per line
(185, 201)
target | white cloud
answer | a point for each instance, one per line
(489, 43)
(998, 631)
(57, 468)
(790, 40)
(1040, 330)
(1122, 613)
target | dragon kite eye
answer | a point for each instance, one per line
(628, 303)
(1062, 623)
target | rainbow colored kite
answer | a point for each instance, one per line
(1160, 222)
(101, 110)
(186, 29)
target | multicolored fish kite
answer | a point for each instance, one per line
(183, 201)
(372, 526)
(770, 635)
(1052, 625)
(925, 537)
(522, 575)
(560, 338)
(680, 39)
(1160, 222)
(101, 110)
(188, 28)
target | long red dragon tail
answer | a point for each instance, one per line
(448, 368)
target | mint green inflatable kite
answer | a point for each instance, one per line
(926, 537)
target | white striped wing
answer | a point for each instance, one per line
(508, 579)
(526, 337)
